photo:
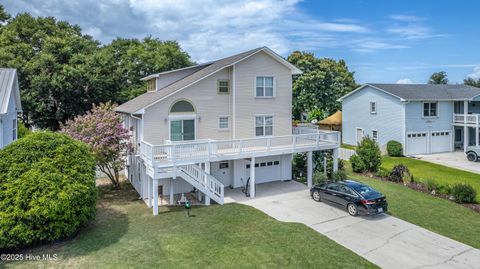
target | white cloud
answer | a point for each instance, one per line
(475, 74)
(404, 81)
(407, 18)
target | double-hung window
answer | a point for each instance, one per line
(264, 87)
(14, 129)
(430, 109)
(223, 122)
(373, 107)
(223, 86)
(263, 125)
(375, 135)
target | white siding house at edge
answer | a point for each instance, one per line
(356, 115)
(10, 106)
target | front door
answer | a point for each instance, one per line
(359, 135)
(181, 130)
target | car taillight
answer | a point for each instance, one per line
(367, 202)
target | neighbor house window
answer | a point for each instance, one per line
(223, 86)
(375, 135)
(373, 107)
(263, 125)
(264, 87)
(223, 122)
(430, 109)
(14, 129)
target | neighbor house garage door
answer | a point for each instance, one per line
(417, 143)
(440, 141)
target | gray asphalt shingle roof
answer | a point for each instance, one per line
(438, 92)
(148, 98)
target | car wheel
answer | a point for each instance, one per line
(352, 209)
(472, 156)
(316, 196)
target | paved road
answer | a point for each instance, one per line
(455, 159)
(384, 240)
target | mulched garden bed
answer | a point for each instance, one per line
(422, 188)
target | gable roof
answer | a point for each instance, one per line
(8, 86)
(149, 98)
(424, 92)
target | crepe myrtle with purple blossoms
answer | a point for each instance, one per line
(102, 130)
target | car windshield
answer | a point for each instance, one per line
(365, 191)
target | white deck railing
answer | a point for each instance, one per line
(466, 119)
(194, 151)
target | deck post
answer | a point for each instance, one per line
(207, 171)
(155, 197)
(476, 136)
(171, 191)
(309, 169)
(335, 159)
(465, 128)
(252, 177)
(149, 190)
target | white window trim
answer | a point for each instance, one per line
(228, 123)
(274, 87)
(375, 138)
(373, 111)
(430, 117)
(218, 86)
(255, 125)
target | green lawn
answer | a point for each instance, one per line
(422, 171)
(433, 213)
(126, 235)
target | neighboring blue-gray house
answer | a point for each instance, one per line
(425, 118)
(10, 105)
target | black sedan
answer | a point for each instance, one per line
(355, 197)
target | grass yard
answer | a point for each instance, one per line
(435, 214)
(125, 234)
(423, 171)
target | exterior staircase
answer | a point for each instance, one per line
(202, 181)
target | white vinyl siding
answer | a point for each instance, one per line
(264, 87)
(263, 125)
(223, 122)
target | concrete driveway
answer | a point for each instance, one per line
(384, 240)
(455, 159)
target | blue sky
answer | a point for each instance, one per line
(382, 41)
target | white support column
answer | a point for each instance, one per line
(252, 177)
(149, 190)
(155, 197)
(335, 159)
(465, 128)
(171, 191)
(309, 169)
(476, 136)
(207, 170)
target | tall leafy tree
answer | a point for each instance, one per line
(121, 64)
(472, 82)
(438, 78)
(323, 81)
(4, 16)
(46, 52)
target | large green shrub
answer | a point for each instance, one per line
(368, 157)
(463, 193)
(47, 189)
(394, 148)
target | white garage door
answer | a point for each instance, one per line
(417, 143)
(266, 170)
(440, 141)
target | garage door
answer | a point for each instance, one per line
(440, 141)
(266, 170)
(417, 143)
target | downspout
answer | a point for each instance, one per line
(404, 134)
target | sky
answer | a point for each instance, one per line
(389, 41)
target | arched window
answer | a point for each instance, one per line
(182, 106)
